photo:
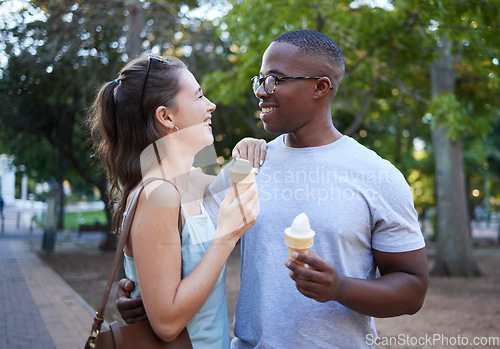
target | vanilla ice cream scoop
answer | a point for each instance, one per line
(299, 236)
(300, 227)
(242, 166)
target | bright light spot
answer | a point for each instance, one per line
(491, 75)
(418, 144)
(427, 119)
(178, 35)
(68, 17)
(384, 4)
(495, 61)
(476, 193)
(187, 50)
(434, 25)
(209, 11)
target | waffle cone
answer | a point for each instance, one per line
(298, 244)
(242, 181)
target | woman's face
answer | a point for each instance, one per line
(192, 116)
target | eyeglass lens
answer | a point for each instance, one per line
(269, 84)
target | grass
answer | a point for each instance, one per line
(72, 220)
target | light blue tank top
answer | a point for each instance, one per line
(209, 328)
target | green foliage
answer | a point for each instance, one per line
(447, 112)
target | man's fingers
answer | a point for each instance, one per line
(126, 284)
(130, 303)
(311, 259)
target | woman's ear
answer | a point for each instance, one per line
(164, 118)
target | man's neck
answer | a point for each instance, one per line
(312, 139)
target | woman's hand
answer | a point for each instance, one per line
(237, 213)
(251, 149)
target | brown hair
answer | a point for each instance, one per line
(121, 131)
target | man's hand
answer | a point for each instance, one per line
(319, 280)
(399, 290)
(131, 310)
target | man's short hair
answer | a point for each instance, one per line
(312, 42)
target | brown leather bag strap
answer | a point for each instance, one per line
(127, 225)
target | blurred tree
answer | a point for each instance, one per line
(58, 52)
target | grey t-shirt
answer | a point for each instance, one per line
(356, 201)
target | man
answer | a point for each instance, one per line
(359, 205)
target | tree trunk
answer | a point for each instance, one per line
(454, 243)
(135, 24)
(61, 200)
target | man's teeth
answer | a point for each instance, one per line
(267, 110)
(207, 122)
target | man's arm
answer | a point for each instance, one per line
(399, 290)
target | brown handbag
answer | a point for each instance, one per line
(140, 334)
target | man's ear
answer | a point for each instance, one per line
(323, 87)
(165, 118)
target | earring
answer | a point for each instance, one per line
(169, 134)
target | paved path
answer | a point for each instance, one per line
(38, 310)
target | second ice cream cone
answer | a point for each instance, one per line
(299, 237)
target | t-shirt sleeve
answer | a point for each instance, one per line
(395, 220)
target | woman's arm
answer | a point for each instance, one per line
(171, 302)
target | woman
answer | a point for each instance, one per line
(148, 125)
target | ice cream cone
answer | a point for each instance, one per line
(242, 174)
(299, 237)
(301, 245)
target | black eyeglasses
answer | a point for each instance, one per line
(273, 80)
(151, 58)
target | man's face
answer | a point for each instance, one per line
(289, 107)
